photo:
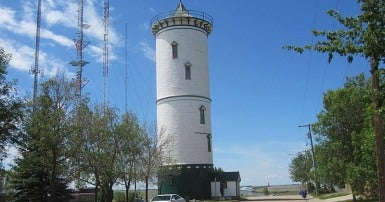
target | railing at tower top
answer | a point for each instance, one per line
(186, 13)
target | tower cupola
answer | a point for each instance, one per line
(182, 17)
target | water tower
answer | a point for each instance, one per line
(183, 99)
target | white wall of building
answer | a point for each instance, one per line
(192, 48)
(230, 191)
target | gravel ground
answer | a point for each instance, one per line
(298, 198)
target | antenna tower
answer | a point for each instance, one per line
(35, 70)
(80, 45)
(126, 76)
(105, 50)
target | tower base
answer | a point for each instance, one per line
(192, 181)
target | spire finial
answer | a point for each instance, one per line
(180, 10)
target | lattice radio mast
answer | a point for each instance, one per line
(105, 51)
(80, 45)
(36, 70)
(126, 68)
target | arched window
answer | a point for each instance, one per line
(187, 70)
(174, 47)
(209, 142)
(202, 110)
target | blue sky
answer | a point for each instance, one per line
(260, 92)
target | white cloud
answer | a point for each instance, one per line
(7, 16)
(51, 66)
(27, 26)
(53, 17)
(23, 58)
(59, 39)
(96, 52)
(258, 164)
(22, 55)
(63, 13)
(147, 50)
(57, 18)
(93, 16)
(12, 154)
(152, 10)
(145, 26)
(29, 11)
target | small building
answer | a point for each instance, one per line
(227, 185)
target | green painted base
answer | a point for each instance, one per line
(190, 181)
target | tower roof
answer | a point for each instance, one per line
(181, 11)
(182, 17)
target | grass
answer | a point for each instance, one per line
(333, 195)
(327, 196)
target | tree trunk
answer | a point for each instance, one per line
(378, 127)
(97, 185)
(96, 193)
(104, 196)
(146, 179)
(110, 193)
(53, 182)
(127, 186)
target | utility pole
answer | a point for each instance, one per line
(313, 157)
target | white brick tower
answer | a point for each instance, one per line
(183, 98)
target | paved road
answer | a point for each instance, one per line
(298, 198)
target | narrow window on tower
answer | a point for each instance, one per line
(174, 46)
(202, 110)
(187, 70)
(209, 142)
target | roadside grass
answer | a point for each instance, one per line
(333, 195)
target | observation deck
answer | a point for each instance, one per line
(182, 17)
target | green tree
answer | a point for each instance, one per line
(362, 35)
(155, 164)
(150, 158)
(130, 145)
(361, 172)
(300, 168)
(345, 129)
(331, 169)
(10, 107)
(40, 173)
(81, 123)
(98, 155)
(266, 191)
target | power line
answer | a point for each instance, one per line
(310, 59)
(327, 65)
